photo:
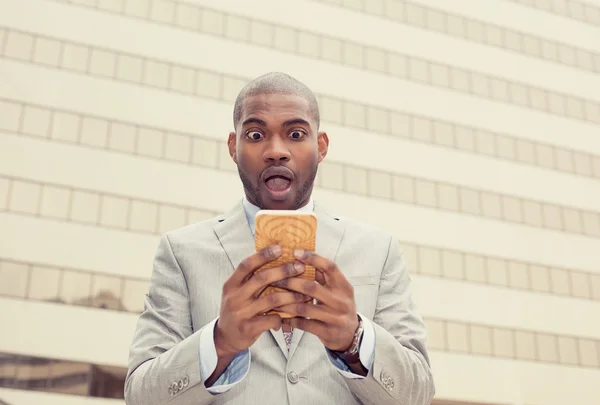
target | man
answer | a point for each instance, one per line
(204, 337)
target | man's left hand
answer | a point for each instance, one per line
(333, 319)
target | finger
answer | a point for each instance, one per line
(331, 274)
(263, 278)
(262, 323)
(306, 287)
(309, 310)
(327, 267)
(253, 262)
(319, 277)
(274, 300)
(315, 327)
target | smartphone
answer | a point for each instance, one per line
(291, 230)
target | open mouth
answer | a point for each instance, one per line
(278, 183)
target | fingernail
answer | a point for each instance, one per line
(276, 250)
(299, 253)
(299, 266)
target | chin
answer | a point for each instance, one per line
(278, 205)
(270, 204)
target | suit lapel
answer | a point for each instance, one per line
(329, 236)
(235, 236)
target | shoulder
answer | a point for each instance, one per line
(359, 233)
(196, 232)
(366, 246)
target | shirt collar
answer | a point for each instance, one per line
(251, 210)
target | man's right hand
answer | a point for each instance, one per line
(242, 318)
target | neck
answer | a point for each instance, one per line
(254, 202)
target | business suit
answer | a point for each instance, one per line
(191, 265)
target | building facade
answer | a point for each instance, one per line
(470, 129)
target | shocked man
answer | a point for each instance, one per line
(204, 336)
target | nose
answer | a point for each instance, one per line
(276, 150)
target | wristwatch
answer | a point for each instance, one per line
(351, 356)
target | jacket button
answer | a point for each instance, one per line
(387, 380)
(293, 377)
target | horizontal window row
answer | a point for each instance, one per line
(143, 216)
(459, 137)
(484, 340)
(456, 198)
(90, 207)
(451, 264)
(72, 127)
(485, 33)
(119, 136)
(188, 16)
(576, 10)
(312, 45)
(61, 376)
(37, 282)
(443, 335)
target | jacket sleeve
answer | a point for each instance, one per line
(400, 372)
(164, 363)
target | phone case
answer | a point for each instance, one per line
(291, 230)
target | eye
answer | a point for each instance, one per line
(297, 135)
(254, 135)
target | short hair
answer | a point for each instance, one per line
(276, 83)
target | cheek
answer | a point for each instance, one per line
(245, 159)
(308, 166)
(306, 154)
(315, 159)
(249, 165)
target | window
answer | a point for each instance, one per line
(67, 377)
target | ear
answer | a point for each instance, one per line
(323, 145)
(232, 144)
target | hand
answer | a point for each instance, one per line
(333, 319)
(241, 320)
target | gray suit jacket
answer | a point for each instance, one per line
(190, 267)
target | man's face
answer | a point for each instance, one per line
(277, 149)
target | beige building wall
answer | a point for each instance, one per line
(470, 129)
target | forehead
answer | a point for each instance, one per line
(276, 107)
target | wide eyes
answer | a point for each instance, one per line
(295, 135)
(254, 135)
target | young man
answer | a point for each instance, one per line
(203, 337)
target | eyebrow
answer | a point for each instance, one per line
(254, 120)
(293, 121)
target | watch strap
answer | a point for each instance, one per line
(351, 355)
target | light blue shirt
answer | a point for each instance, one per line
(240, 365)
